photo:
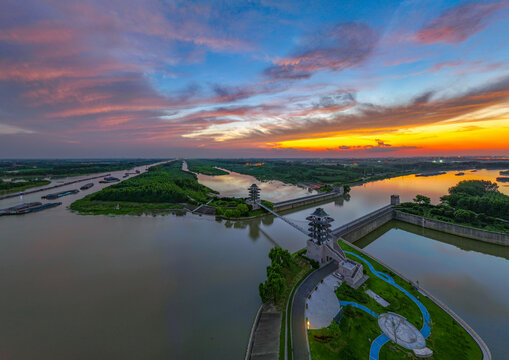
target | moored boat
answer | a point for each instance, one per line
(503, 179)
(27, 208)
(37, 208)
(17, 208)
(60, 194)
(431, 173)
(109, 179)
(87, 186)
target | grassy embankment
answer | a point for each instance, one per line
(161, 189)
(7, 187)
(352, 338)
(204, 167)
(472, 203)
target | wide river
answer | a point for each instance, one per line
(186, 287)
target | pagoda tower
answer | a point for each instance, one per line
(254, 196)
(319, 226)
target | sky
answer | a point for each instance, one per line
(347, 78)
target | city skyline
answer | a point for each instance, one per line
(253, 79)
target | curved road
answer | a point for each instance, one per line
(299, 332)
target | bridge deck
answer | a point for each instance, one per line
(284, 219)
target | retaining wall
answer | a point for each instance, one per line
(359, 228)
(454, 229)
(307, 200)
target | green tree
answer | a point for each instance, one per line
(280, 256)
(243, 209)
(465, 216)
(422, 200)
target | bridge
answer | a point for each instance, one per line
(288, 221)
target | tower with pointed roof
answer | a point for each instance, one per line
(323, 249)
(319, 226)
(254, 196)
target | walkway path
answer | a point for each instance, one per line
(376, 345)
(265, 339)
(284, 219)
(359, 306)
(199, 207)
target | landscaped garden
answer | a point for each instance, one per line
(353, 336)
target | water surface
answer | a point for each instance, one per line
(144, 287)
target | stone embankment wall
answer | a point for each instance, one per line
(454, 229)
(307, 200)
(359, 228)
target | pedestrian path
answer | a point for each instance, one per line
(376, 345)
(359, 306)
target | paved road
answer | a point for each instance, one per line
(299, 335)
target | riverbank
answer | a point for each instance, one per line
(9, 187)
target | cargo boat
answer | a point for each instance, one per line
(109, 179)
(21, 207)
(87, 186)
(38, 208)
(431, 173)
(27, 208)
(60, 194)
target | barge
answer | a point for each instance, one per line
(27, 208)
(87, 186)
(21, 207)
(59, 194)
(109, 179)
(38, 208)
(435, 173)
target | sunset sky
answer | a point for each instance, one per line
(340, 78)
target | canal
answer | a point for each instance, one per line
(186, 287)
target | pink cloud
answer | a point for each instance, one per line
(458, 23)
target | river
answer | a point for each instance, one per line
(180, 287)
